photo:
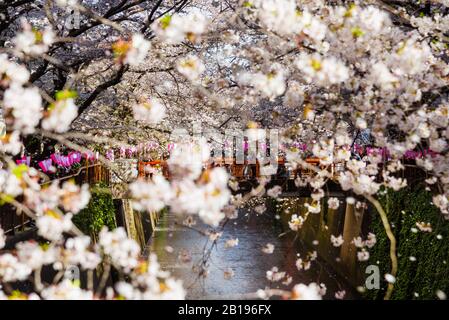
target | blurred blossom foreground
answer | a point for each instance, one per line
(275, 149)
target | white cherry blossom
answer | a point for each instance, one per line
(306, 292)
(2, 238)
(177, 28)
(25, 105)
(66, 290)
(138, 50)
(11, 269)
(124, 252)
(52, 225)
(151, 111)
(190, 67)
(60, 116)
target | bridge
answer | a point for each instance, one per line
(240, 170)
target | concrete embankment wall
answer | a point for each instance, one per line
(346, 220)
(139, 225)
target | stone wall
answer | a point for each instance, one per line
(139, 225)
(346, 221)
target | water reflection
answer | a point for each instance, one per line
(247, 260)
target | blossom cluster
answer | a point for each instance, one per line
(114, 246)
(325, 72)
(191, 190)
(177, 28)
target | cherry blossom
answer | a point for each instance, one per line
(77, 253)
(356, 91)
(274, 275)
(268, 249)
(190, 67)
(33, 42)
(333, 203)
(271, 85)
(176, 28)
(25, 105)
(11, 269)
(306, 292)
(73, 197)
(340, 294)
(2, 238)
(137, 51)
(152, 196)
(337, 241)
(35, 255)
(52, 225)
(362, 255)
(324, 72)
(66, 290)
(60, 116)
(296, 222)
(123, 251)
(12, 73)
(151, 111)
(231, 243)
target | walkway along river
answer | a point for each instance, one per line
(180, 248)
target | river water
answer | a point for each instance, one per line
(181, 250)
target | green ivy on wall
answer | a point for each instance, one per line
(423, 277)
(99, 212)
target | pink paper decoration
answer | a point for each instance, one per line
(56, 157)
(110, 155)
(46, 165)
(24, 160)
(75, 157)
(122, 152)
(130, 151)
(89, 155)
(65, 161)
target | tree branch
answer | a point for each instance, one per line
(392, 238)
(102, 87)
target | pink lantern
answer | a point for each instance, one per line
(46, 165)
(56, 157)
(65, 161)
(89, 155)
(122, 152)
(130, 151)
(110, 155)
(75, 157)
(24, 160)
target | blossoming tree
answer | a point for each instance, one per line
(322, 72)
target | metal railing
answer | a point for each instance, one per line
(13, 220)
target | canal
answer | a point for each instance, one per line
(182, 251)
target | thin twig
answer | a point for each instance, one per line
(392, 238)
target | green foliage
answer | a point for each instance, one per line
(99, 212)
(165, 21)
(430, 271)
(66, 94)
(19, 170)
